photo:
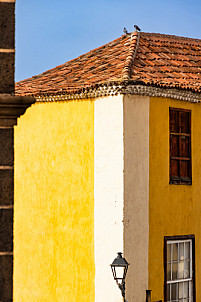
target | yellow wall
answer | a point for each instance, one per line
(54, 213)
(174, 209)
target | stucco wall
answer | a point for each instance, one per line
(108, 193)
(174, 209)
(54, 203)
(81, 165)
(136, 194)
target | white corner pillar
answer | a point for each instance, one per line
(108, 194)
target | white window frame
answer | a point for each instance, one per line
(177, 281)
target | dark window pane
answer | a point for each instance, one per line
(174, 121)
(181, 290)
(169, 253)
(173, 291)
(168, 271)
(187, 250)
(6, 278)
(184, 168)
(174, 167)
(6, 230)
(168, 292)
(186, 289)
(184, 118)
(174, 145)
(174, 271)
(175, 252)
(187, 269)
(185, 146)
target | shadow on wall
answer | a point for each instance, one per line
(148, 296)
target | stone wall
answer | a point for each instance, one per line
(7, 70)
(7, 46)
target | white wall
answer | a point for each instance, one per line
(108, 194)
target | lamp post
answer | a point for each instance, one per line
(119, 270)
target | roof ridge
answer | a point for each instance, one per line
(126, 73)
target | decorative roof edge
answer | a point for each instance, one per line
(172, 93)
(132, 89)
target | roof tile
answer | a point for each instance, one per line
(153, 59)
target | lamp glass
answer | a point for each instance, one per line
(119, 272)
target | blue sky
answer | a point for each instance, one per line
(49, 33)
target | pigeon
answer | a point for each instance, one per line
(137, 28)
(125, 31)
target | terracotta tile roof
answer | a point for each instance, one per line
(149, 59)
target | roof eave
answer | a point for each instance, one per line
(123, 87)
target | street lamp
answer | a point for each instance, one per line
(119, 270)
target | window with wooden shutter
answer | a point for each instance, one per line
(180, 146)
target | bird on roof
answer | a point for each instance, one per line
(137, 28)
(125, 31)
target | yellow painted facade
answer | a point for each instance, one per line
(173, 209)
(54, 212)
(54, 258)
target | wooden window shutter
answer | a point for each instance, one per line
(180, 146)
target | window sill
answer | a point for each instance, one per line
(180, 181)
